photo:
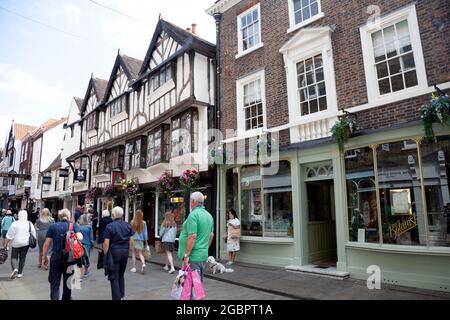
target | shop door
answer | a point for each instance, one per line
(321, 223)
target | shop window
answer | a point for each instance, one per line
(400, 194)
(265, 201)
(177, 208)
(436, 176)
(361, 196)
(232, 191)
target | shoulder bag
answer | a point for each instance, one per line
(32, 240)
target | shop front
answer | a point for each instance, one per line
(385, 201)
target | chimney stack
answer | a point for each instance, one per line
(194, 28)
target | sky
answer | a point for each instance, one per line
(41, 68)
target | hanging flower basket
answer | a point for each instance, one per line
(93, 194)
(438, 111)
(189, 180)
(111, 191)
(343, 129)
(166, 184)
(130, 187)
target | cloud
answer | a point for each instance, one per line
(18, 82)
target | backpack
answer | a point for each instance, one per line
(72, 249)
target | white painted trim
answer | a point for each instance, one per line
(222, 6)
(366, 31)
(92, 133)
(267, 240)
(161, 91)
(119, 117)
(418, 250)
(241, 132)
(294, 26)
(254, 48)
(242, 52)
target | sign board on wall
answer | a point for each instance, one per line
(63, 173)
(116, 177)
(80, 174)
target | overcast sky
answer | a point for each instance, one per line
(41, 68)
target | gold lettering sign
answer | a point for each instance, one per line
(400, 227)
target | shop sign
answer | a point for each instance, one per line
(46, 180)
(80, 174)
(63, 173)
(117, 177)
(27, 184)
(400, 227)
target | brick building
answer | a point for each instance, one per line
(291, 70)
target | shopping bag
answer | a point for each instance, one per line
(3, 255)
(146, 252)
(198, 291)
(182, 286)
(158, 247)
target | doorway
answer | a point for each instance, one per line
(321, 223)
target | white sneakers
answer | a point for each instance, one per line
(133, 270)
(166, 268)
(14, 274)
(229, 263)
(172, 271)
(19, 275)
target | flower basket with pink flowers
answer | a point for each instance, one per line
(166, 184)
(189, 180)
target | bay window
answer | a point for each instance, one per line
(184, 133)
(135, 153)
(158, 144)
(263, 202)
(408, 201)
(163, 75)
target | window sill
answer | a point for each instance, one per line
(415, 250)
(305, 23)
(119, 117)
(250, 239)
(161, 91)
(254, 48)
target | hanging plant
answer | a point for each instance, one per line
(436, 112)
(342, 130)
(189, 180)
(111, 191)
(166, 184)
(93, 194)
(130, 187)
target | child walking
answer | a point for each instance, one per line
(168, 234)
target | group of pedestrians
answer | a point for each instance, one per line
(116, 237)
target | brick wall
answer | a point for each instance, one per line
(351, 89)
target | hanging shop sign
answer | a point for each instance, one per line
(46, 180)
(80, 175)
(117, 177)
(63, 173)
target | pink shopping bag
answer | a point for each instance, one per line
(182, 286)
(198, 291)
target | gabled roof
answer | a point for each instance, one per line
(99, 86)
(131, 67)
(56, 164)
(186, 39)
(79, 102)
(21, 130)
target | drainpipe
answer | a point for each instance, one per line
(218, 19)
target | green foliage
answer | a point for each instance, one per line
(437, 111)
(342, 130)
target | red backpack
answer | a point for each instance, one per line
(72, 249)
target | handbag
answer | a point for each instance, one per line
(146, 252)
(32, 242)
(158, 247)
(235, 233)
(100, 260)
(3, 255)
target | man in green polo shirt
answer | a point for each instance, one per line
(197, 235)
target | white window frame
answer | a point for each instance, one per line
(293, 25)
(240, 83)
(241, 51)
(366, 32)
(305, 44)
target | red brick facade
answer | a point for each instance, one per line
(348, 17)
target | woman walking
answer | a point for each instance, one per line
(7, 221)
(42, 224)
(140, 238)
(19, 236)
(168, 234)
(117, 247)
(87, 242)
(233, 235)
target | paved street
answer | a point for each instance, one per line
(154, 285)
